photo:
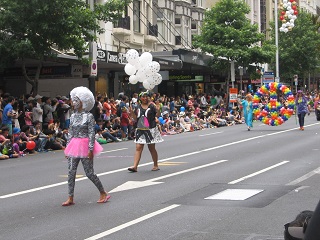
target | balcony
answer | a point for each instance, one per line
(152, 33)
(122, 27)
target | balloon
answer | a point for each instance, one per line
(132, 56)
(141, 74)
(130, 69)
(160, 119)
(148, 85)
(152, 67)
(145, 58)
(31, 145)
(157, 78)
(133, 79)
(182, 109)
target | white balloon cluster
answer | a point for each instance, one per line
(288, 15)
(142, 69)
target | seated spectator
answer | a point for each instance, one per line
(99, 138)
(6, 143)
(51, 132)
(26, 136)
(108, 133)
(18, 146)
(186, 126)
(218, 122)
(41, 139)
(230, 118)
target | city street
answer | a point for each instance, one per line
(220, 183)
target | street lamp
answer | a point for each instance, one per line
(276, 37)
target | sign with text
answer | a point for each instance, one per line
(233, 94)
(268, 77)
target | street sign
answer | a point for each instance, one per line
(268, 77)
(94, 68)
(233, 94)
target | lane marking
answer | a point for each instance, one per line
(257, 173)
(304, 177)
(170, 163)
(128, 224)
(209, 134)
(115, 150)
(139, 184)
(185, 171)
(235, 194)
(150, 163)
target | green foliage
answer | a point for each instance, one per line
(32, 28)
(299, 49)
(228, 33)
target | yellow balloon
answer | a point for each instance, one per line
(290, 28)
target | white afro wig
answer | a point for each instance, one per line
(85, 96)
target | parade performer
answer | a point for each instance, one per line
(248, 110)
(302, 108)
(81, 145)
(147, 131)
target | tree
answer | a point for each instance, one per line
(227, 33)
(32, 29)
(299, 49)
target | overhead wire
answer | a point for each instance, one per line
(149, 28)
(168, 20)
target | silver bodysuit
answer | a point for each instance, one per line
(82, 126)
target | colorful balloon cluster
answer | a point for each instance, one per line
(274, 113)
(142, 69)
(288, 15)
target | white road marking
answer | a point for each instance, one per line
(304, 177)
(209, 134)
(163, 160)
(235, 194)
(138, 184)
(257, 173)
(115, 150)
(128, 224)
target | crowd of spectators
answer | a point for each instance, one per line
(46, 120)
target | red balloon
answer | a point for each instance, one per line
(283, 13)
(31, 145)
(294, 7)
(295, 12)
(281, 18)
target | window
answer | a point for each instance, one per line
(177, 21)
(178, 40)
(136, 16)
(194, 25)
(193, 2)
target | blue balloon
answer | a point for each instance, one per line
(182, 109)
(163, 122)
(160, 119)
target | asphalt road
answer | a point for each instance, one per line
(225, 184)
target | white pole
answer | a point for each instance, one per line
(276, 36)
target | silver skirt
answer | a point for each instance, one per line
(150, 136)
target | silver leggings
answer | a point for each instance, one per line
(88, 168)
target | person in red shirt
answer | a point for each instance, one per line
(113, 106)
(106, 108)
(124, 122)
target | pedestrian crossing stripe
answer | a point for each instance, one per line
(170, 163)
(235, 194)
(77, 176)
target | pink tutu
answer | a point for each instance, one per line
(79, 147)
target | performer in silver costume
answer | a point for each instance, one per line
(81, 145)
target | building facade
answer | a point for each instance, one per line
(162, 27)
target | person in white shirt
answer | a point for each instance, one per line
(37, 111)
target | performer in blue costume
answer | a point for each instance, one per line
(248, 110)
